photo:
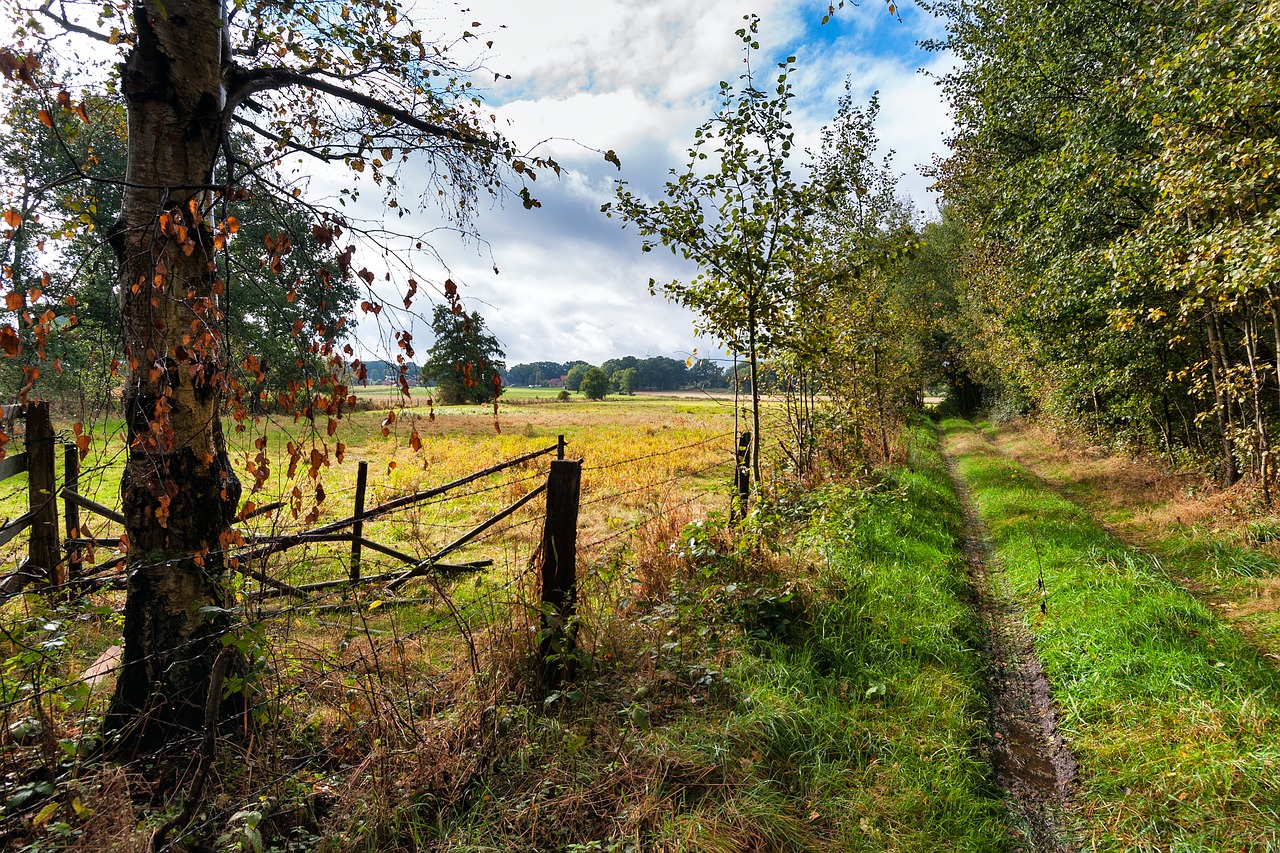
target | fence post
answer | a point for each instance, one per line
(357, 529)
(560, 447)
(559, 570)
(70, 510)
(742, 477)
(43, 550)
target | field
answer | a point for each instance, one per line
(818, 677)
(338, 662)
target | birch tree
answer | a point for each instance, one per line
(358, 86)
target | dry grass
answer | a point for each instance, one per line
(368, 712)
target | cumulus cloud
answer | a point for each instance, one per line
(637, 77)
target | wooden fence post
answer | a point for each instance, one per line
(559, 570)
(357, 529)
(70, 510)
(43, 551)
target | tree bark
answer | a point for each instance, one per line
(755, 385)
(179, 492)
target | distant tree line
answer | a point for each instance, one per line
(624, 375)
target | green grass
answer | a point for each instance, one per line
(865, 708)
(825, 694)
(1172, 716)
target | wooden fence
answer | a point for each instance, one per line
(60, 565)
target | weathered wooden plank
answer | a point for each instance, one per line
(13, 528)
(92, 505)
(424, 566)
(12, 465)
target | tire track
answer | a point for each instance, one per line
(1032, 761)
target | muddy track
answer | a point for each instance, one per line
(1032, 762)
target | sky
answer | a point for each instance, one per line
(638, 77)
(579, 77)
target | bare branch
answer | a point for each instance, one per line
(246, 84)
(70, 26)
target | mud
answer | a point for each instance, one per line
(1032, 761)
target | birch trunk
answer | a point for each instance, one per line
(179, 492)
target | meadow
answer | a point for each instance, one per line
(332, 670)
(734, 690)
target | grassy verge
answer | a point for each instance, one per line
(1225, 546)
(1172, 716)
(823, 692)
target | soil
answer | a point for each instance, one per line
(1032, 761)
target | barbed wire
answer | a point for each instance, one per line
(620, 462)
(651, 485)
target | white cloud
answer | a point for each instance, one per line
(638, 76)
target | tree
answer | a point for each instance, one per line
(573, 379)
(626, 380)
(857, 322)
(465, 361)
(661, 373)
(595, 384)
(1116, 171)
(536, 373)
(705, 373)
(737, 219)
(357, 86)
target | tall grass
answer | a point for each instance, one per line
(1174, 719)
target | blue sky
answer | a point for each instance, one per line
(638, 76)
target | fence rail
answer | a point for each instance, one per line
(60, 565)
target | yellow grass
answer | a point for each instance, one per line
(649, 466)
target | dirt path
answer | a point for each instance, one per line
(1031, 760)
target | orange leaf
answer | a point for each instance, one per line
(82, 114)
(45, 118)
(12, 218)
(9, 342)
(14, 300)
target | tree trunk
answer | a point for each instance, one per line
(178, 489)
(755, 386)
(1262, 442)
(1219, 372)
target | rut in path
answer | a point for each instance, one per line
(1032, 762)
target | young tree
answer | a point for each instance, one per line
(356, 85)
(738, 219)
(465, 360)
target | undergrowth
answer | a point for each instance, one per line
(806, 680)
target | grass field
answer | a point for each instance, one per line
(748, 695)
(345, 671)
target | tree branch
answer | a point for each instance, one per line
(68, 25)
(244, 84)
